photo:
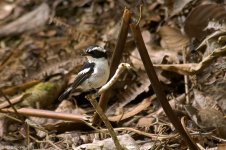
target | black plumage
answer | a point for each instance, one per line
(85, 72)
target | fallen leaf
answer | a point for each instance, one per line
(173, 39)
(221, 146)
(27, 22)
(125, 140)
(140, 107)
(207, 119)
(199, 17)
(176, 6)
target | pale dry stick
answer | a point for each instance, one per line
(194, 68)
(115, 77)
(185, 78)
(46, 114)
(156, 136)
(13, 101)
(99, 110)
(11, 117)
(37, 141)
(219, 52)
(54, 145)
(184, 126)
(140, 107)
(35, 125)
(7, 99)
(50, 142)
(27, 135)
(200, 146)
(92, 99)
(77, 35)
(218, 138)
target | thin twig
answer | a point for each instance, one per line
(114, 79)
(14, 89)
(185, 78)
(117, 55)
(150, 135)
(140, 15)
(194, 68)
(14, 101)
(92, 99)
(7, 99)
(46, 114)
(37, 141)
(13, 118)
(27, 129)
(157, 85)
(184, 126)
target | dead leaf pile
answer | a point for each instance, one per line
(40, 46)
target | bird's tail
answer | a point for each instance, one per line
(66, 93)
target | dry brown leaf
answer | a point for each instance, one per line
(64, 66)
(202, 101)
(134, 89)
(80, 3)
(27, 22)
(200, 16)
(14, 100)
(140, 107)
(199, 98)
(125, 140)
(221, 146)
(173, 39)
(156, 56)
(128, 94)
(145, 122)
(212, 42)
(178, 6)
(206, 118)
(211, 78)
(183, 69)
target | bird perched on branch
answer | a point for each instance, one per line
(94, 73)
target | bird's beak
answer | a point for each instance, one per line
(84, 53)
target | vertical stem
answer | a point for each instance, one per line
(186, 78)
(27, 128)
(106, 121)
(117, 55)
(157, 85)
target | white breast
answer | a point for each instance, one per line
(99, 76)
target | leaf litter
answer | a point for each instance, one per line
(40, 49)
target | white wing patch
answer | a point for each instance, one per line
(84, 71)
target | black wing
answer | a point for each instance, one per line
(85, 72)
(82, 76)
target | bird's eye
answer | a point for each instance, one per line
(91, 52)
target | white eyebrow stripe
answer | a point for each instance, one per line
(99, 49)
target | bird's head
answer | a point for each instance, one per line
(95, 52)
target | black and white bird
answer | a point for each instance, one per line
(94, 73)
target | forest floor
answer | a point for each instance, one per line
(41, 43)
